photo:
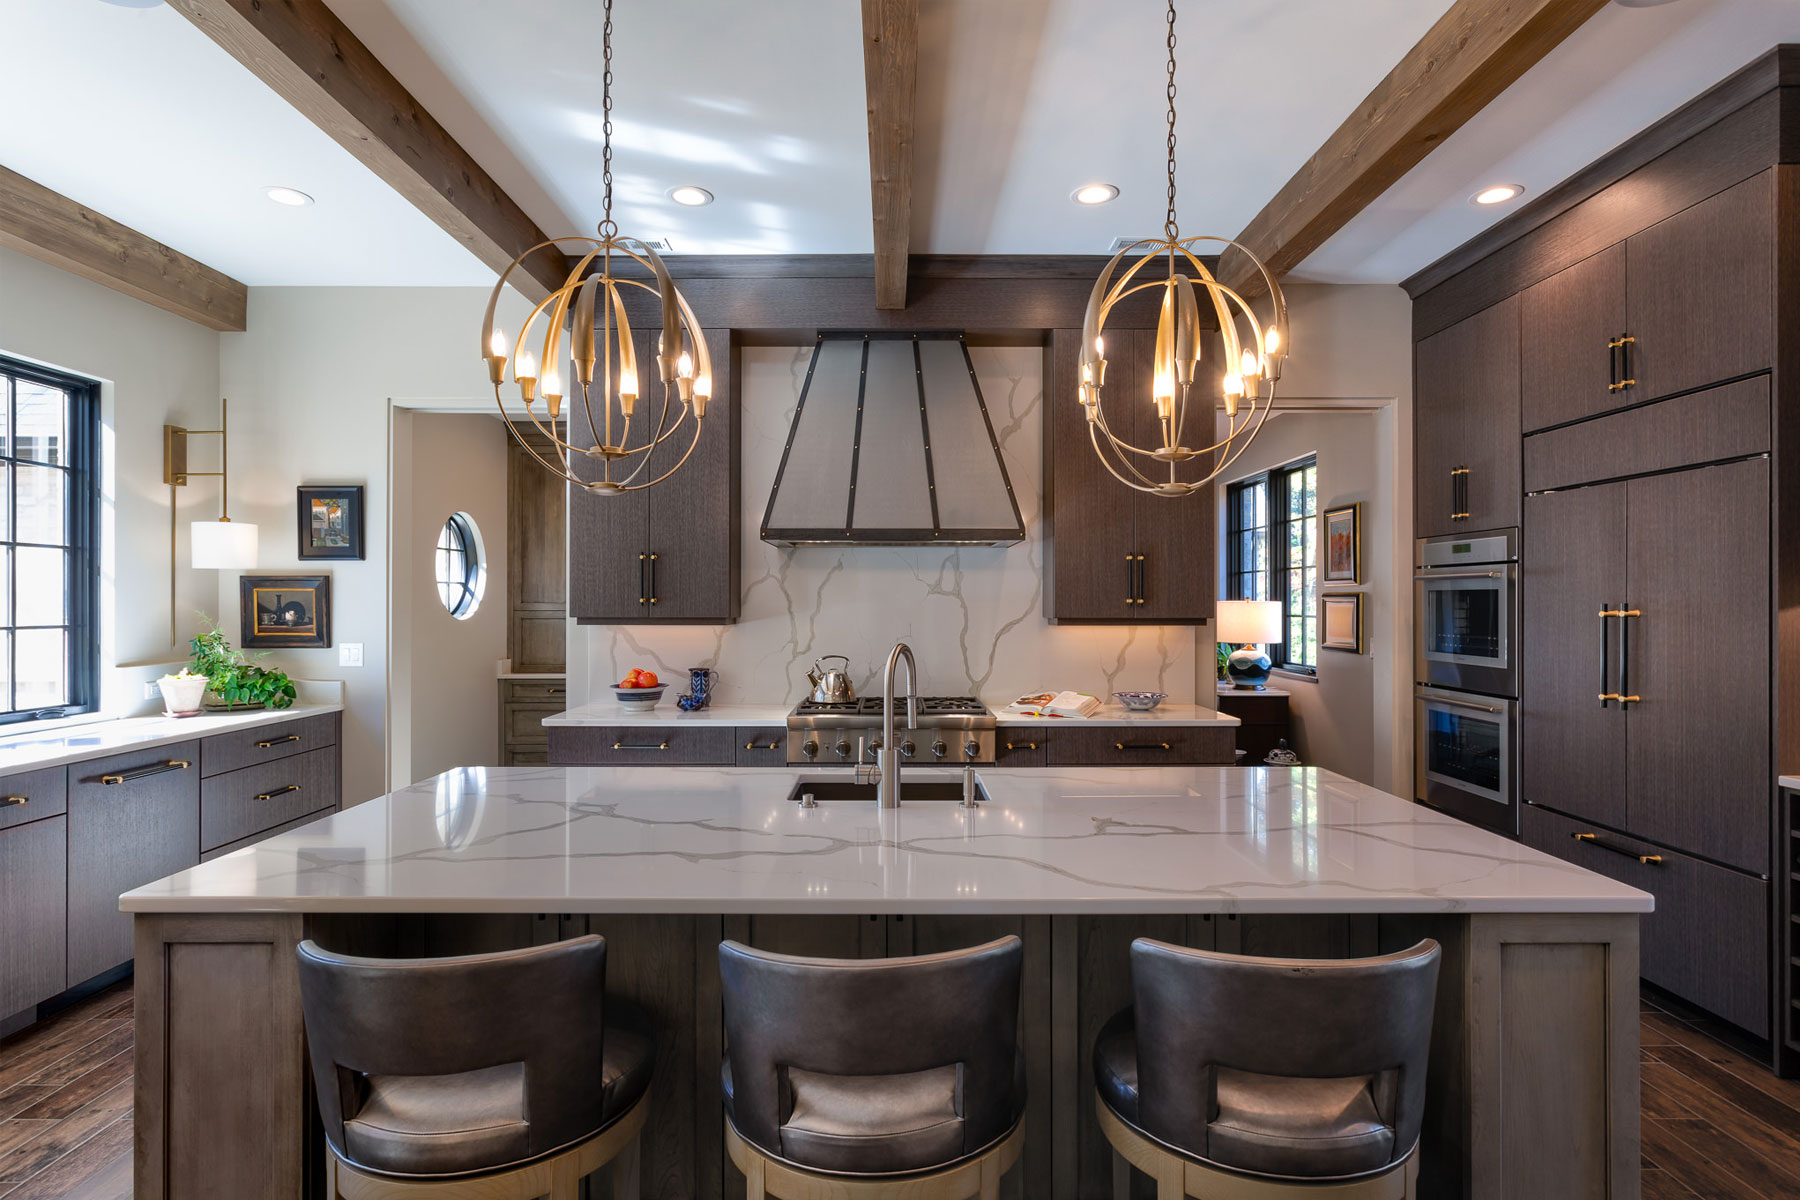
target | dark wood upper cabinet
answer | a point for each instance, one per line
(1700, 292)
(1466, 449)
(668, 553)
(1570, 323)
(1114, 555)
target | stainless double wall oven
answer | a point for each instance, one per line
(1466, 668)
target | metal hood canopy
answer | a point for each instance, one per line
(892, 445)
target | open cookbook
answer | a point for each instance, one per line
(1054, 704)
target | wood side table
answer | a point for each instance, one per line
(1265, 718)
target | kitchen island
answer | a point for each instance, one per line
(1534, 1074)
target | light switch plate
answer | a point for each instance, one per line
(350, 654)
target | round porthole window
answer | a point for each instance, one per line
(461, 566)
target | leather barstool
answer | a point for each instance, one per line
(862, 1079)
(1236, 1077)
(496, 1076)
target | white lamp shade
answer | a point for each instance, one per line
(1242, 622)
(223, 545)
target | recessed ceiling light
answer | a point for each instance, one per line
(1094, 193)
(292, 197)
(1500, 193)
(134, 3)
(690, 195)
(1641, 3)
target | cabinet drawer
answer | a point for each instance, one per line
(33, 912)
(265, 743)
(523, 724)
(33, 795)
(761, 746)
(536, 691)
(1143, 746)
(1021, 747)
(265, 835)
(1707, 941)
(1727, 422)
(244, 803)
(642, 745)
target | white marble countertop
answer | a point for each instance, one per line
(728, 840)
(608, 712)
(1791, 782)
(1229, 689)
(73, 743)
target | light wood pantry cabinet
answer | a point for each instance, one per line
(1115, 555)
(537, 542)
(1466, 425)
(668, 554)
(524, 703)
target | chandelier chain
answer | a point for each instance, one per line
(1169, 227)
(608, 228)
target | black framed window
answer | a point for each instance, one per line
(49, 543)
(1272, 553)
(459, 566)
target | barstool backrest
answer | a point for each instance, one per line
(864, 1017)
(1198, 1011)
(540, 1007)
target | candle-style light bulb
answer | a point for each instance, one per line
(684, 366)
(1272, 340)
(526, 367)
(497, 343)
(1247, 365)
(1163, 386)
(552, 382)
(628, 384)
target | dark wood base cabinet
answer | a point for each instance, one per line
(1655, 302)
(723, 746)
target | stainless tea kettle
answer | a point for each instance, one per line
(831, 686)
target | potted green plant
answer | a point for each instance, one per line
(234, 680)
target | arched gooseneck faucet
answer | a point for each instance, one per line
(888, 756)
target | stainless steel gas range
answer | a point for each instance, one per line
(951, 729)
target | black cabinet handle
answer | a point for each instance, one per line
(1626, 616)
(14, 801)
(282, 791)
(1607, 612)
(1130, 583)
(1142, 746)
(292, 737)
(1021, 745)
(653, 579)
(753, 746)
(623, 746)
(1139, 592)
(554, 692)
(1649, 860)
(174, 764)
(643, 579)
(1459, 493)
(1625, 380)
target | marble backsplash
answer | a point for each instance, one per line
(974, 616)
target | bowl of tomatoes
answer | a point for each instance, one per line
(639, 691)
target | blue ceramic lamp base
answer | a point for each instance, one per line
(1248, 667)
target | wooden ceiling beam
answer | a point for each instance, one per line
(890, 76)
(312, 60)
(52, 228)
(1475, 51)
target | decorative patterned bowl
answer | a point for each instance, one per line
(639, 699)
(1140, 701)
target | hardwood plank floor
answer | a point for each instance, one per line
(1716, 1124)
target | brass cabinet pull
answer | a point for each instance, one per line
(174, 764)
(623, 746)
(643, 579)
(1130, 583)
(753, 746)
(1459, 493)
(653, 579)
(1619, 349)
(1648, 860)
(282, 791)
(554, 692)
(1141, 746)
(1139, 593)
(14, 801)
(292, 737)
(1021, 745)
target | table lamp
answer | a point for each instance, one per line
(1244, 623)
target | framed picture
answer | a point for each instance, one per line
(285, 611)
(330, 522)
(1343, 622)
(1343, 544)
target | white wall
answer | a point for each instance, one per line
(1350, 386)
(154, 368)
(458, 465)
(312, 383)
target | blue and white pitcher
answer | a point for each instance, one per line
(700, 682)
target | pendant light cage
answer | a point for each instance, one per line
(1251, 351)
(591, 304)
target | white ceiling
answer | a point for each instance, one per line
(136, 114)
(1620, 73)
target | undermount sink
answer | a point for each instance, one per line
(911, 790)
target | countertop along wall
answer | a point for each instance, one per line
(972, 615)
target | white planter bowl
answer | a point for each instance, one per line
(183, 694)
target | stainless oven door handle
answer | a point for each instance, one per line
(1428, 575)
(1486, 708)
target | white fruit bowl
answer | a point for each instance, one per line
(639, 699)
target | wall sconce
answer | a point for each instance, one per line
(221, 545)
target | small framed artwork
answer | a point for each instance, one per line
(1343, 544)
(1343, 622)
(331, 522)
(285, 611)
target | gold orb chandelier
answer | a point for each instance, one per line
(682, 362)
(1252, 353)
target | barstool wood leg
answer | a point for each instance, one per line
(1170, 1177)
(755, 1172)
(624, 1172)
(990, 1179)
(565, 1179)
(1121, 1177)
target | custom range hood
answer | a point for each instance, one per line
(892, 445)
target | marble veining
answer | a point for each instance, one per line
(973, 615)
(1090, 840)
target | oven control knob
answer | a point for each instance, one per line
(938, 749)
(842, 748)
(810, 749)
(971, 748)
(906, 748)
